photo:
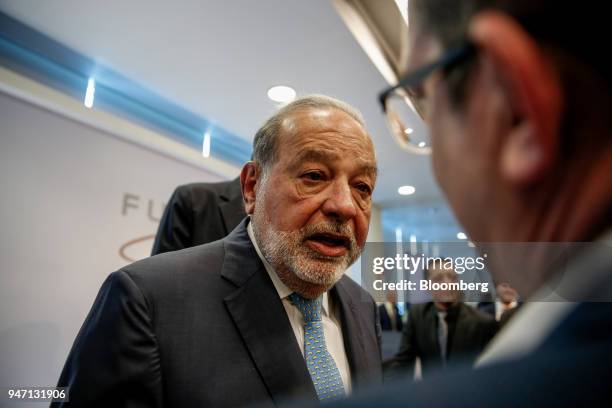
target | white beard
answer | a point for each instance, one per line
(286, 251)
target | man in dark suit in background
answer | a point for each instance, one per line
(199, 213)
(443, 332)
(265, 314)
(505, 305)
(518, 108)
(391, 324)
(390, 317)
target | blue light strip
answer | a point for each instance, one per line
(45, 60)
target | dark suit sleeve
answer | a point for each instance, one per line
(114, 361)
(176, 226)
(403, 362)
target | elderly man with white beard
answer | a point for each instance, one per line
(266, 314)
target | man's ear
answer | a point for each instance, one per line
(527, 75)
(249, 179)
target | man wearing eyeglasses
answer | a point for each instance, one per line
(517, 97)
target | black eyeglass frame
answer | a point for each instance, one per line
(416, 77)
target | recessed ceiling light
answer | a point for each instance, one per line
(206, 144)
(281, 94)
(461, 235)
(422, 144)
(406, 190)
(408, 131)
(89, 93)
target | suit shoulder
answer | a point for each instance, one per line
(162, 272)
(215, 188)
(199, 196)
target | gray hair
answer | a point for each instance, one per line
(265, 144)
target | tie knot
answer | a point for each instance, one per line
(310, 308)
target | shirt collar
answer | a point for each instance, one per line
(282, 289)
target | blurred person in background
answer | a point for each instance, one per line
(443, 332)
(199, 213)
(389, 312)
(391, 316)
(505, 305)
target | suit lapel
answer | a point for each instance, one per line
(262, 322)
(352, 334)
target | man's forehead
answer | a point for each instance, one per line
(331, 139)
(319, 119)
(329, 129)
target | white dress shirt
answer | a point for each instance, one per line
(332, 328)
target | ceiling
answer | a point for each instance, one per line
(218, 58)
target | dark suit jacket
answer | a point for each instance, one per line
(385, 319)
(469, 331)
(162, 333)
(570, 369)
(199, 213)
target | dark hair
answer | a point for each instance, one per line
(570, 33)
(555, 24)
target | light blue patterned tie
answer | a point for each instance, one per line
(323, 370)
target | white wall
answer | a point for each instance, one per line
(63, 221)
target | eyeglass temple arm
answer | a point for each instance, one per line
(417, 76)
